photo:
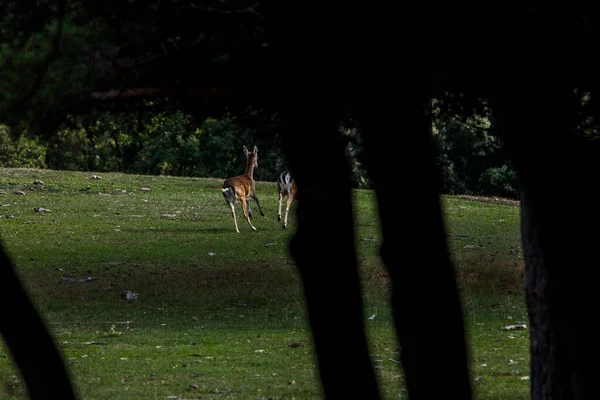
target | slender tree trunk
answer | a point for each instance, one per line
(403, 172)
(29, 341)
(560, 241)
(324, 250)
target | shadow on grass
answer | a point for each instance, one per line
(199, 229)
(477, 274)
(491, 274)
(203, 287)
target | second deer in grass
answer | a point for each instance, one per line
(241, 188)
(287, 187)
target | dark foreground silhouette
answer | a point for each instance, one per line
(28, 339)
(382, 66)
(505, 55)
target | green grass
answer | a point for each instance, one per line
(221, 314)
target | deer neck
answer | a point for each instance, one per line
(250, 168)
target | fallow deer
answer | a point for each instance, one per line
(287, 187)
(242, 188)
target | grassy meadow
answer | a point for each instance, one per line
(220, 315)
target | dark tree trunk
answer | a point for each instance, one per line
(560, 239)
(559, 249)
(29, 341)
(324, 250)
(315, 65)
(406, 181)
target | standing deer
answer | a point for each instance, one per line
(287, 187)
(242, 188)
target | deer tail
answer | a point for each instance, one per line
(229, 194)
(285, 182)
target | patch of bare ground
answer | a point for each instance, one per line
(374, 274)
(490, 274)
(493, 200)
(179, 284)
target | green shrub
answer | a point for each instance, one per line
(500, 181)
(20, 152)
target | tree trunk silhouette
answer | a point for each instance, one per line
(29, 341)
(422, 290)
(324, 250)
(315, 95)
(559, 236)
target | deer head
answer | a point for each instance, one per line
(251, 156)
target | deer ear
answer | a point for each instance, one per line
(255, 150)
(246, 151)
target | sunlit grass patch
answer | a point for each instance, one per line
(216, 314)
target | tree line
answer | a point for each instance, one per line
(176, 143)
(59, 108)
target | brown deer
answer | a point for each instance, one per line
(287, 187)
(242, 188)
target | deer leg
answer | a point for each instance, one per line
(287, 208)
(249, 210)
(246, 214)
(258, 204)
(279, 211)
(234, 219)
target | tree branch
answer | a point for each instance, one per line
(145, 92)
